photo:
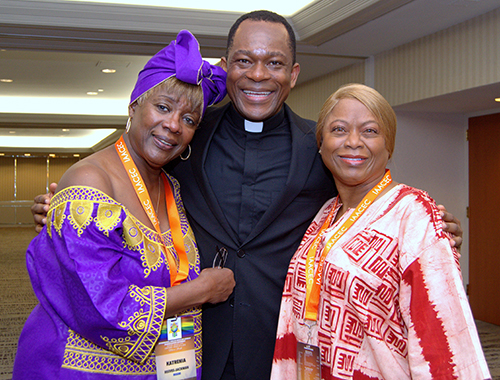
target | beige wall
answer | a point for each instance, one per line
(22, 179)
(307, 99)
(431, 149)
(464, 56)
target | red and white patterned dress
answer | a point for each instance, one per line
(392, 303)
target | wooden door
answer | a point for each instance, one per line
(484, 217)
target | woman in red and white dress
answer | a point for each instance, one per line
(374, 290)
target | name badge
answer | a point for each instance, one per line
(308, 362)
(175, 354)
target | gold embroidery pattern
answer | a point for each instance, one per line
(56, 217)
(80, 209)
(83, 355)
(108, 217)
(152, 256)
(80, 215)
(196, 312)
(144, 327)
(132, 234)
(138, 238)
(82, 193)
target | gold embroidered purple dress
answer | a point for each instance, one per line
(101, 280)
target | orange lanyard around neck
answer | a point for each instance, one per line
(313, 280)
(177, 275)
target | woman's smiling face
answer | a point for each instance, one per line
(353, 145)
(162, 126)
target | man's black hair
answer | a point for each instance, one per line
(263, 16)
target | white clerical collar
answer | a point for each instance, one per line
(254, 127)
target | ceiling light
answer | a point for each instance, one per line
(76, 155)
(282, 7)
(27, 154)
(88, 105)
(12, 132)
(2, 154)
(212, 61)
(100, 90)
(6, 80)
(65, 130)
(93, 93)
(108, 71)
(76, 138)
(497, 100)
(52, 155)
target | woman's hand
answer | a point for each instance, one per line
(41, 207)
(213, 285)
(453, 226)
(219, 283)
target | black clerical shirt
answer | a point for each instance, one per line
(261, 159)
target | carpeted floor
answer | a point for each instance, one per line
(17, 300)
(16, 296)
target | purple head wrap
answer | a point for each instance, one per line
(182, 58)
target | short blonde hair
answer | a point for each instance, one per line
(192, 92)
(371, 99)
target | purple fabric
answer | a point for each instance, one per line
(98, 281)
(182, 58)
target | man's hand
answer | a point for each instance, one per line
(453, 226)
(41, 206)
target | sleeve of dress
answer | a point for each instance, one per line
(442, 336)
(81, 268)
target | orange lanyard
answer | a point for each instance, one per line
(177, 275)
(313, 280)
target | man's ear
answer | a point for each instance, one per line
(223, 63)
(295, 74)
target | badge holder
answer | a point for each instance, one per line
(175, 351)
(308, 360)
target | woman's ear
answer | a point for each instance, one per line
(131, 109)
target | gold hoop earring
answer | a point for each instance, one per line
(189, 154)
(127, 127)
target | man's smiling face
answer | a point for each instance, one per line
(260, 69)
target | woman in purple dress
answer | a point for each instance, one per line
(118, 257)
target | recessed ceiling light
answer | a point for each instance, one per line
(108, 71)
(27, 154)
(100, 90)
(65, 130)
(6, 80)
(52, 155)
(12, 132)
(2, 154)
(497, 100)
(76, 155)
(93, 93)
